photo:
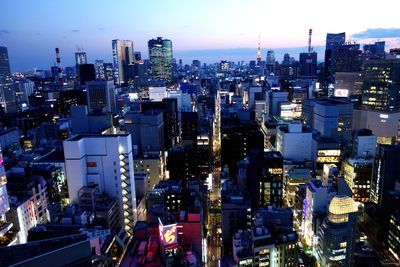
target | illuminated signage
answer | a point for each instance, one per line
(341, 92)
(168, 233)
(384, 116)
(275, 170)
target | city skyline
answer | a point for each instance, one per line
(201, 30)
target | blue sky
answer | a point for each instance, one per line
(31, 29)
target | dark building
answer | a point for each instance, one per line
(170, 115)
(385, 172)
(374, 51)
(333, 40)
(308, 65)
(348, 58)
(70, 98)
(265, 179)
(190, 128)
(4, 62)
(237, 140)
(381, 85)
(87, 73)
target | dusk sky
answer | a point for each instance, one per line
(32, 29)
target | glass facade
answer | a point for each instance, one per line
(160, 54)
(122, 57)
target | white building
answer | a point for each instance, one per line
(364, 143)
(157, 93)
(105, 160)
(315, 204)
(294, 142)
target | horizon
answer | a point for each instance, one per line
(193, 27)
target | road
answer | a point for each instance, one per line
(214, 207)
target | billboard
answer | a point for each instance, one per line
(341, 93)
(168, 233)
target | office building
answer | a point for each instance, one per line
(235, 214)
(332, 118)
(265, 179)
(147, 130)
(7, 96)
(105, 160)
(357, 173)
(374, 51)
(4, 62)
(308, 65)
(364, 143)
(6, 238)
(385, 172)
(393, 239)
(87, 73)
(160, 55)
(270, 241)
(237, 141)
(336, 236)
(169, 107)
(122, 57)
(348, 58)
(100, 95)
(314, 209)
(333, 41)
(295, 142)
(381, 85)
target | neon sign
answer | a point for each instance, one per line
(167, 233)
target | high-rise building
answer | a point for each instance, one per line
(348, 58)
(7, 95)
(99, 68)
(308, 65)
(87, 73)
(374, 51)
(100, 94)
(160, 54)
(381, 85)
(265, 179)
(357, 172)
(80, 58)
(5, 238)
(105, 160)
(122, 57)
(333, 40)
(4, 62)
(385, 172)
(336, 235)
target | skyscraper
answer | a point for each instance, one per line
(160, 54)
(101, 94)
(4, 62)
(4, 207)
(80, 57)
(336, 235)
(381, 85)
(122, 57)
(385, 172)
(333, 41)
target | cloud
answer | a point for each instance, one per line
(74, 31)
(378, 33)
(4, 32)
